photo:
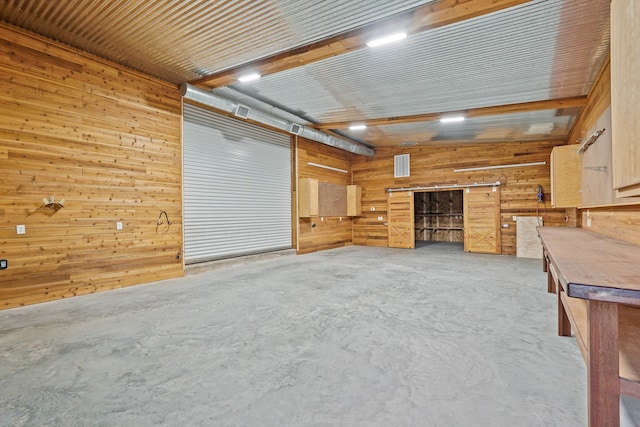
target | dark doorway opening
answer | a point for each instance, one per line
(439, 217)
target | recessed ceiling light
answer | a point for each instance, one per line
(387, 39)
(357, 127)
(249, 77)
(451, 119)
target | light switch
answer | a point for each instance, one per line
(118, 225)
(21, 229)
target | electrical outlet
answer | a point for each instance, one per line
(588, 222)
(373, 208)
(21, 229)
(505, 225)
(380, 218)
(3, 264)
(118, 225)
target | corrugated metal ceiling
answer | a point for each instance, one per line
(529, 126)
(182, 40)
(543, 49)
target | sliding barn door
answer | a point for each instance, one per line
(400, 220)
(482, 220)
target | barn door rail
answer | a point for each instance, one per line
(446, 187)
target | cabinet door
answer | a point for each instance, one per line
(625, 96)
(354, 200)
(566, 177)
(307, 197)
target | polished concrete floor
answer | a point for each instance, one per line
(348, 337)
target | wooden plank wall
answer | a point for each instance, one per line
(321, 233)
(105, 139)
(621, 222)
(434, 165)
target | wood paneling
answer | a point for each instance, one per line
(432, 165)
(105, 139)
(620, 222)
(323, 232)
(598, 101)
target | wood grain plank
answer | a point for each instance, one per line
(107, 140)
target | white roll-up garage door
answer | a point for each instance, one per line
(237, 187)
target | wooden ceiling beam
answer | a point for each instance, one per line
(432, 15)
(551, 104)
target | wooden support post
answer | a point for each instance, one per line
(603, 364)
(564, 326)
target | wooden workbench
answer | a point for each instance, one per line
(597, 280)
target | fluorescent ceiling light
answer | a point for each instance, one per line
(249, 77)
(387, 39)
(357, 127)
(451, 119)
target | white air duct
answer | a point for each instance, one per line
(201, 96)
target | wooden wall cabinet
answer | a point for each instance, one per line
(307, 197)
(317, 198)
(354, 200)
(566, 177)
(625, 97)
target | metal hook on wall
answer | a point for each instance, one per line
(160, 222)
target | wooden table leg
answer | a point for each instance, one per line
(603, 364)
(551, 283)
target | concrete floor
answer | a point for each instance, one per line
(348, 337)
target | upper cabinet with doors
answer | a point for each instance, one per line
(565, 176)
(625, 96)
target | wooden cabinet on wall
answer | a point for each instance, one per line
(354, 200)
(566, 177)
(625, 96)
(326, 199)
(307, 197)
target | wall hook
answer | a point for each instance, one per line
(160, 222)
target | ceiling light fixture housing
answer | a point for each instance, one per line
(250, 77)
(387, 39)
(452, 119)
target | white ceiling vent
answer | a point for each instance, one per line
(401, 165)
(295, 129)
(242, 111)
(540, 129)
